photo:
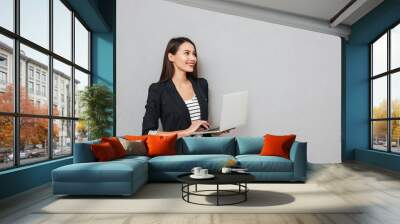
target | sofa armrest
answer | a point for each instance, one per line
(83, 152)
(298, 155)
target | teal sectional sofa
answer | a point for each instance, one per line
(125, 176)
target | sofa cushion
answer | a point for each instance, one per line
(131, 158)
(136, 147)
(275, 145)
(257, 163)
(116, 145)
(249, 145)
(111, 171)
(103, 152)
(209, 145)
(159, 145)
(185, 163)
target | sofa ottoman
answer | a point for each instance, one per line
(118, 177)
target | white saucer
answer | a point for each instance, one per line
(208, 176)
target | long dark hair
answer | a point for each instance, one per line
(168, 68)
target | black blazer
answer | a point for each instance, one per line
(164, 102)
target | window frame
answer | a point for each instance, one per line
(16, 114)
(388, 74)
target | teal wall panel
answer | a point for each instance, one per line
(24, 178)
(380, 159)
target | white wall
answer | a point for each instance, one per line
(293, 76)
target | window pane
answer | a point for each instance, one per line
(395, 47)
(7, 14)
(33, 140)
(81, 45)
(62, 138)
(6, 74)
(6, 142)
(81, 81)
(395, 136)
(379, 100)
(62, 89)
(379, 55)
(35, 21)
(81, 131)
(62, 29)
(395, 94)
(379, 135)
(34, 78)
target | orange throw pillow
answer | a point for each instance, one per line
(277, 145)
(136, 137)
(161, 145)
(103, 152)
(116, 145)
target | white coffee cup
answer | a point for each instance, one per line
(203, 172)
(226, 170)
(196, 170)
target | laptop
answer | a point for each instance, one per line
(233, 113)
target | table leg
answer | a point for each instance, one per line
(217, 194)
(196, 188)
(245, 193)
(188, 190)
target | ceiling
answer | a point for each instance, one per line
(333, 17)
(318, 9)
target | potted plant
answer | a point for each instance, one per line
(96, 102)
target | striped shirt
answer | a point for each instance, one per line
(194, 108)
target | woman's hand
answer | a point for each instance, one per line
(198, 124)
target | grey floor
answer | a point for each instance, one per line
(377, 188)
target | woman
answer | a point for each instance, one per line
(179, 98)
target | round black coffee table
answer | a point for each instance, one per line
(238, 179)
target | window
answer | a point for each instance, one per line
(62, 29)
(385, 91)
(43, 90)
(62, 74)
(3, 72)
(3, 61)
(30, 72)
(38, 89)
(38, 74)
(30, 87)
(6, 71)
(7, 14)
(34, 21)
(3, 78)
(55, 126)
(81, 45)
